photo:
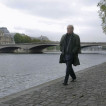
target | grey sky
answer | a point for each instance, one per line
(51, 17)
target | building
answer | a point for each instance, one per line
(43, 38)
(5, 36)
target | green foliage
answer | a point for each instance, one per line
(19, 38)
(50, 48)
(58, 47)
(22, 38)
(53, 47)
(102, 14)
(35, 40)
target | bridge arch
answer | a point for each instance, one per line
(88, 46)
(8, 49)
(39, 48)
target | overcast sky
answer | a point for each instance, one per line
(51, 17)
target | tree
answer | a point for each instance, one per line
(35, 40)
(18, 38)
(26, 39)
(102, 14)
(22, 38)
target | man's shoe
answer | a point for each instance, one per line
(73, 80)
(65, 84)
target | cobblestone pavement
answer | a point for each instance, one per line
(88, 90)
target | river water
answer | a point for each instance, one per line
(21, 71)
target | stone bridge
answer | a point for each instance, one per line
(38, 47)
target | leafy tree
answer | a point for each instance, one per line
(22, 38)
(18, 38)
(102, 14)
(35, 40)
(26, 39)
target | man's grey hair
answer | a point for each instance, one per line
(70, 26)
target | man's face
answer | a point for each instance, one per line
(69, 29)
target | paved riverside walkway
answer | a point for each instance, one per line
(88, 90)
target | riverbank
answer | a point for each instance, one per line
(89, 90)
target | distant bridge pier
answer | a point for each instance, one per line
(21, 50)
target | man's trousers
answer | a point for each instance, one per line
(69, 69)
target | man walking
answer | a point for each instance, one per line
(70, 47)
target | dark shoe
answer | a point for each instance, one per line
(65, 84)
(73, 80)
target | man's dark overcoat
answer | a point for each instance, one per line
(74, 47)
